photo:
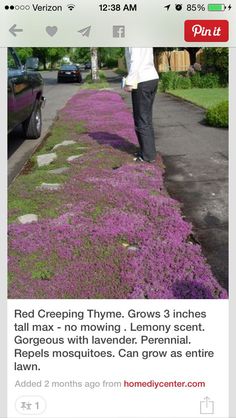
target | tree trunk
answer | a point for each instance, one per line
(169, 59)
(192, 54)
(94, 65)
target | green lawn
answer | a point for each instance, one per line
(202, 97)
(101, 84)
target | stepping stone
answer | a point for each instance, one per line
(49, 186)
(46, 159)
(129, 247)
(64, 144)
(73, 157)
(27, 219)
(133, 248)
(59, 170)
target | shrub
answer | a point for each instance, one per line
(196, 80)
(193, 69)
(197, 67)
(168, 81)
(218, 115)
(173, 80)
(121, 72)
(183, 83)
(111, 62)
(207, 81)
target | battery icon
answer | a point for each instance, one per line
(217, 7)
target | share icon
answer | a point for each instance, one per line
(85, 31)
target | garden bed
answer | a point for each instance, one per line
(110, 230)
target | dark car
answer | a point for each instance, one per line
(87, 66)
(25, 95)
(69, 72)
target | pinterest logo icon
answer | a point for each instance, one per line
(206, 31)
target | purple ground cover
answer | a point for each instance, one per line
(118, 235)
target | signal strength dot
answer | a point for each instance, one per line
(71, 7)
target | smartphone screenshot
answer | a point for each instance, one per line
(117, 201)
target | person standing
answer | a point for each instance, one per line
(142, 82)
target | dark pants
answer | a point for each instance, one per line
(143, 99)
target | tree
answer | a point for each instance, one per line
(80, 55)
(216, 60)
(109, 56)
(192, 54)
(94, 65)
(49, 55)
(41, 54)
(56, 54)
(24, 53)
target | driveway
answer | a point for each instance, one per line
(19, 149)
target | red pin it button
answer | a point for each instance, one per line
(206, 30)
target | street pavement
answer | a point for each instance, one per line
(19, 149)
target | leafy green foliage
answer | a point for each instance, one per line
(205, 81)
(106, 56)
(183, 83)
(168, 81)
(218, 115)
(50, 55)
(80, 55)
(41, 271)
(102, 77)
(173, 80)
(216, 60)
(109, 56)
(24, 53)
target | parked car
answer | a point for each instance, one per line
(25, 95)
(69, 72)
(87, 66)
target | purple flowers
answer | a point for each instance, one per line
(118, 235)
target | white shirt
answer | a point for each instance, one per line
(140, 64)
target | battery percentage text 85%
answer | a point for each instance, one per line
(196, 7)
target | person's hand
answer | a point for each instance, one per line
(128, 89)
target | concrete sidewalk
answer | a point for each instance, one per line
(196, 159)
